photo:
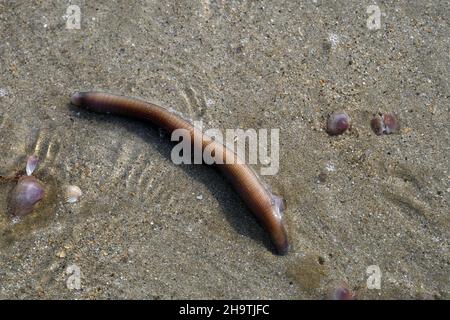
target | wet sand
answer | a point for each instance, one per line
(146, 228)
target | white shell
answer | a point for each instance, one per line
(73, 193)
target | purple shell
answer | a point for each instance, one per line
(31, 164)
(386, 123)
(377, 125)
(338, 123)
(25, 195)
(390, 123)
(343, 293)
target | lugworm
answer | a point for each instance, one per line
(266, 206)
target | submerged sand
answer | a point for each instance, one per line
(146, 228)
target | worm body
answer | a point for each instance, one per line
(264, 205)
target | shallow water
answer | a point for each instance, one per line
(145, 228)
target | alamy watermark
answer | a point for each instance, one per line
(210, 147)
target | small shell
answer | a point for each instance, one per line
(25, 195)
(338, 123)
(31, 164)
(340, 291)
(384, 123)
(377, 125)
(73, 193)
(343, 293)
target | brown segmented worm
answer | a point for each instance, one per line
(265, 206)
